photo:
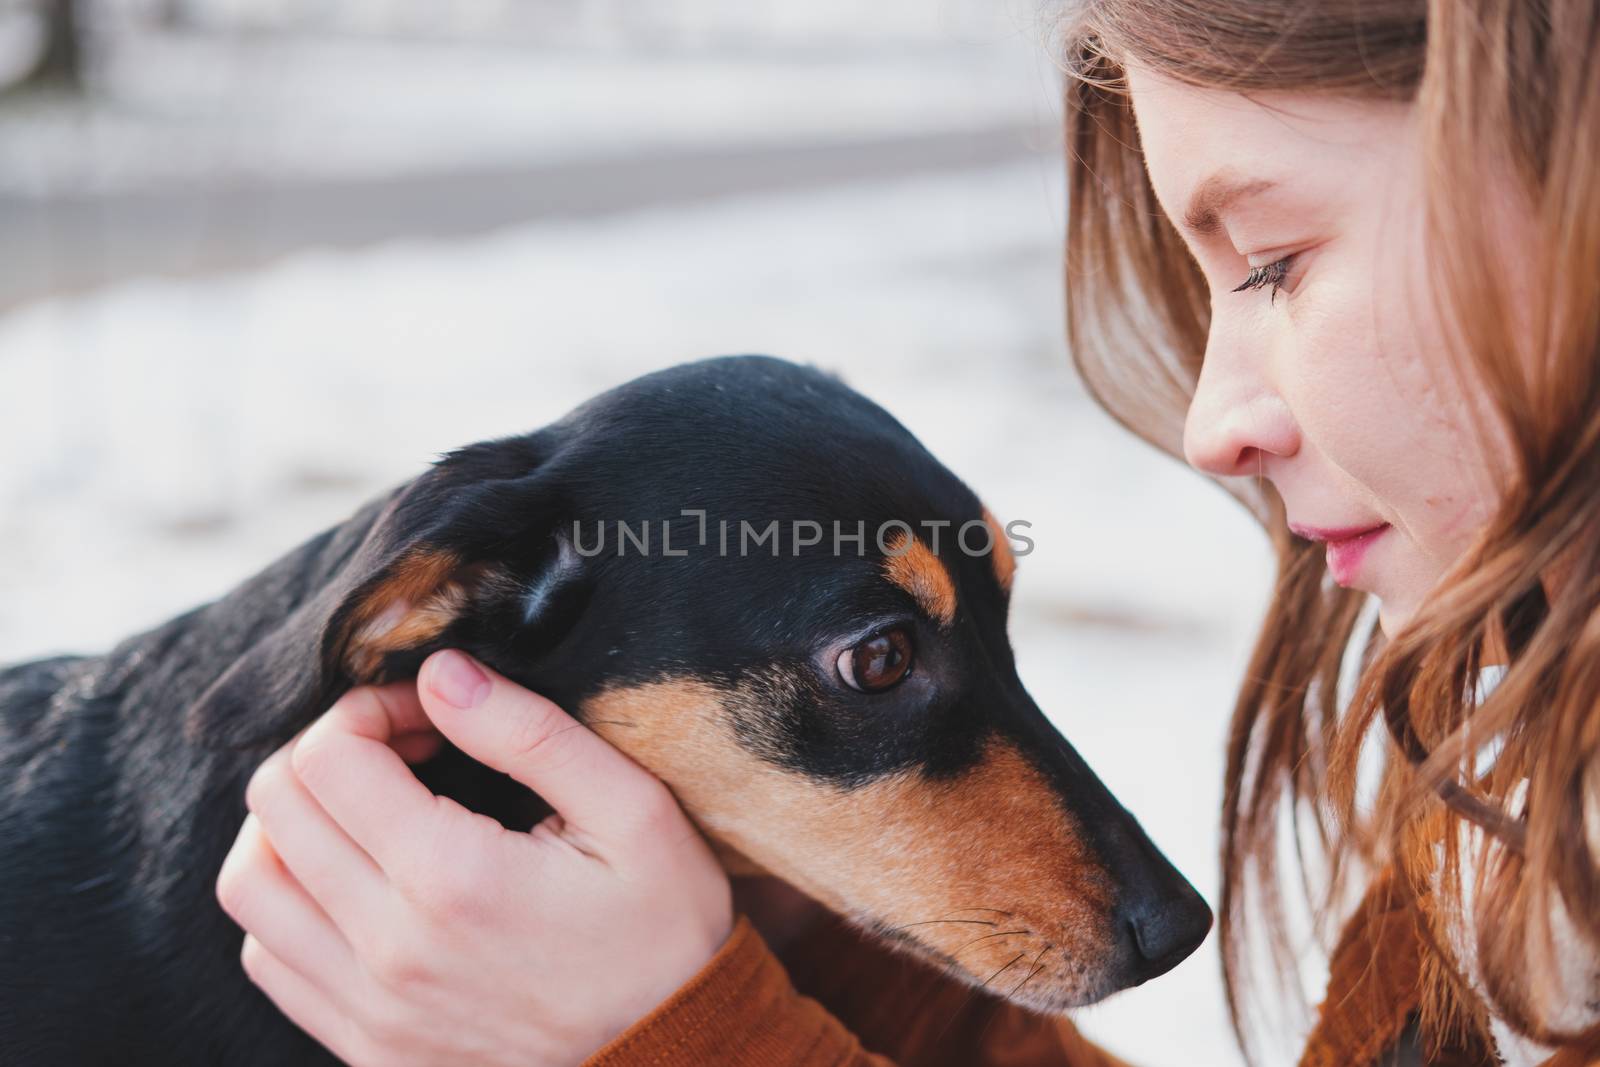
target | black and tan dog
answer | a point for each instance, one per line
(843, 713)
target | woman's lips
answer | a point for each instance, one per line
(1346, 547)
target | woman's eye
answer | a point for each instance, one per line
(1270, 274)
(880, 662)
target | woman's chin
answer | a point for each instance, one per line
(1403, 592)
(1393, 614)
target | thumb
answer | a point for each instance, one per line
(592, 785)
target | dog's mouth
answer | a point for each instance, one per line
(1090, 943)
(1027, 967)
(1019, 964)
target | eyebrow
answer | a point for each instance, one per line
(1213, 197)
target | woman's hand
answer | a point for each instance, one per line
(398, 928)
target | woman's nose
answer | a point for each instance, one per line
(1236, 416)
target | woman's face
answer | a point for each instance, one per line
(1328, 375)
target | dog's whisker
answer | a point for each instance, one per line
(950, 967)
(958, 922)
(957, 911)
(1015, 989)
(986, 937)
(996, 911)
(1001, 971)
(1036, 969)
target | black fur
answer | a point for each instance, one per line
(122, 776)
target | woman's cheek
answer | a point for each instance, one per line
(1342, 394)
(1373, 395)
(1452, 467)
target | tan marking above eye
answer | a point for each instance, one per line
(918, 571)
(1001, 557)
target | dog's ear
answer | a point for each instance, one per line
(470, 553)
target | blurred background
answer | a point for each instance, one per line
(261, 259)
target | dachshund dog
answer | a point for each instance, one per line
(733, 570)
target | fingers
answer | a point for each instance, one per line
(336, 872)
(347, 763)
(602, 795)
(259, 893)
(306, 1005)
(391, 924)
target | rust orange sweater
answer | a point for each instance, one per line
(838, 1000)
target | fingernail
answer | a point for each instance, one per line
(457, 680)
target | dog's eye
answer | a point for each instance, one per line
(878, 663)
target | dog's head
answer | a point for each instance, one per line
(761, 586)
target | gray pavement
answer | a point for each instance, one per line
(73, 243)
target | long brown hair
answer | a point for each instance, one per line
(1501, 87)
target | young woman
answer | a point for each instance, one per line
(1340, 255)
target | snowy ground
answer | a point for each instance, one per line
(164, 439)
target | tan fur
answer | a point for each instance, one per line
(1001, 557)
(918, 571)
(988, 852)
(428, 590)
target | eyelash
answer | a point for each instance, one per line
(1271, 274)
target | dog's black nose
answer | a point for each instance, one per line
(1162, 929)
